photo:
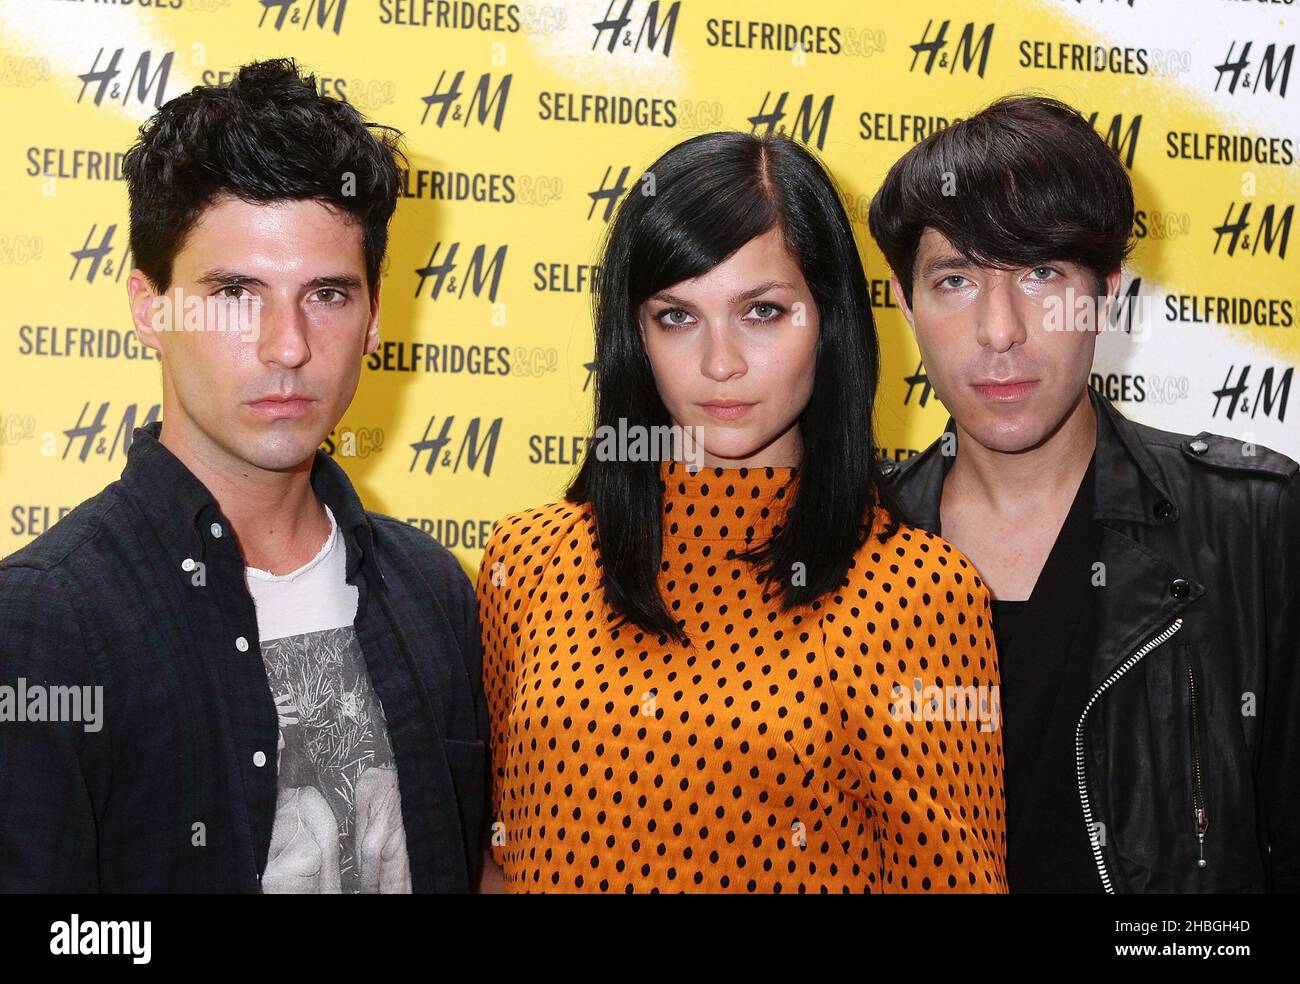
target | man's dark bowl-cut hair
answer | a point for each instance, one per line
(267, 135)
(712, 194)
(1025, 181)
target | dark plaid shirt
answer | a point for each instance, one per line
(141, 591)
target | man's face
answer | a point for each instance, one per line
(734, 352)
(1006, 350)
(280, 291)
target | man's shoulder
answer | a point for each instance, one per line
(416, 546)
(73, 541)
(1214, 453)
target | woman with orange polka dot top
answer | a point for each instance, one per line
(739, 672)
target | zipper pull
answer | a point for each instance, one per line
(1202, 824)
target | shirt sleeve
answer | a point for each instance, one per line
(915, 665)
(48, 839)
(498, 627)
(517, 553)
(1280, 751)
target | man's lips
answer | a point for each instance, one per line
(1006, 392)
(726, 409)
(281, 407)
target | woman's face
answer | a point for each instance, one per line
(733, 354)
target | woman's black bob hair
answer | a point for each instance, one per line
(699, 203)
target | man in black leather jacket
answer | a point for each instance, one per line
(1146, 584)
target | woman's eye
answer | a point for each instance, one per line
(674, 318)
(767, 311)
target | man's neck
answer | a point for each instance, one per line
(279, 522)
(1019, 483)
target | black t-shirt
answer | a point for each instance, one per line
(1044, 652)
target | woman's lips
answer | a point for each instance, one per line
(1006, 392)
(727, 411)
(280, 409)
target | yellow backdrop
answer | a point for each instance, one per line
(526, 121)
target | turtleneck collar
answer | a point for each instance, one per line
(723, 503)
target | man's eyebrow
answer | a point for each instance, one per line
(222, 277)
(744, 295)
(943, 264)
(230, 278)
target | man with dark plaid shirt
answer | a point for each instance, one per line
(327, 728)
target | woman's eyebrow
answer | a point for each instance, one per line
(744, 295)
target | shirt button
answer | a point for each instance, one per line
(215, 529)
(241, 644)
(188, 564)
(1180, 588)
(259, 759)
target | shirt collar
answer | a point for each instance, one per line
(182, 511)
(1128, 484)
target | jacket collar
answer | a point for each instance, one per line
(1129, 486)
(182, 511)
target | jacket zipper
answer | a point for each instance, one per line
(1199, 812)
(1079, 765)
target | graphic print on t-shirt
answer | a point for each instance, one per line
(338, 822)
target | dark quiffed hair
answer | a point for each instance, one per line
(1030, 180)
(712, 194)
(267, 135)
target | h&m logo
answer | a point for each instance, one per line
(1238, 231)
(607, 193)
(476, 278)
(106, 78)
(1124, 144)
(471, 450)
(1240, 70)
(651, 30)
(299, 13)
(99, 256)
(967, 49)
(806, 118)
(482, 99)
(89, 433)
(1265, 395)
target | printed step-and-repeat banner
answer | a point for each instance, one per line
(526, 122)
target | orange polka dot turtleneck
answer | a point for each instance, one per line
(770, 754)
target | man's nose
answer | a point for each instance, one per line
(1001, 318)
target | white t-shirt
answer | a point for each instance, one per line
(338, 818)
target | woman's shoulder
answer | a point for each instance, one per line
(526, 536)
(908, 562)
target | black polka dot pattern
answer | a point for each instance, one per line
(773, 753)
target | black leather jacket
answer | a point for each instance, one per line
(1188, 748)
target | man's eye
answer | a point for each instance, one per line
(1045, 272)
(953, 280)
(336, 296)
(221, 292)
